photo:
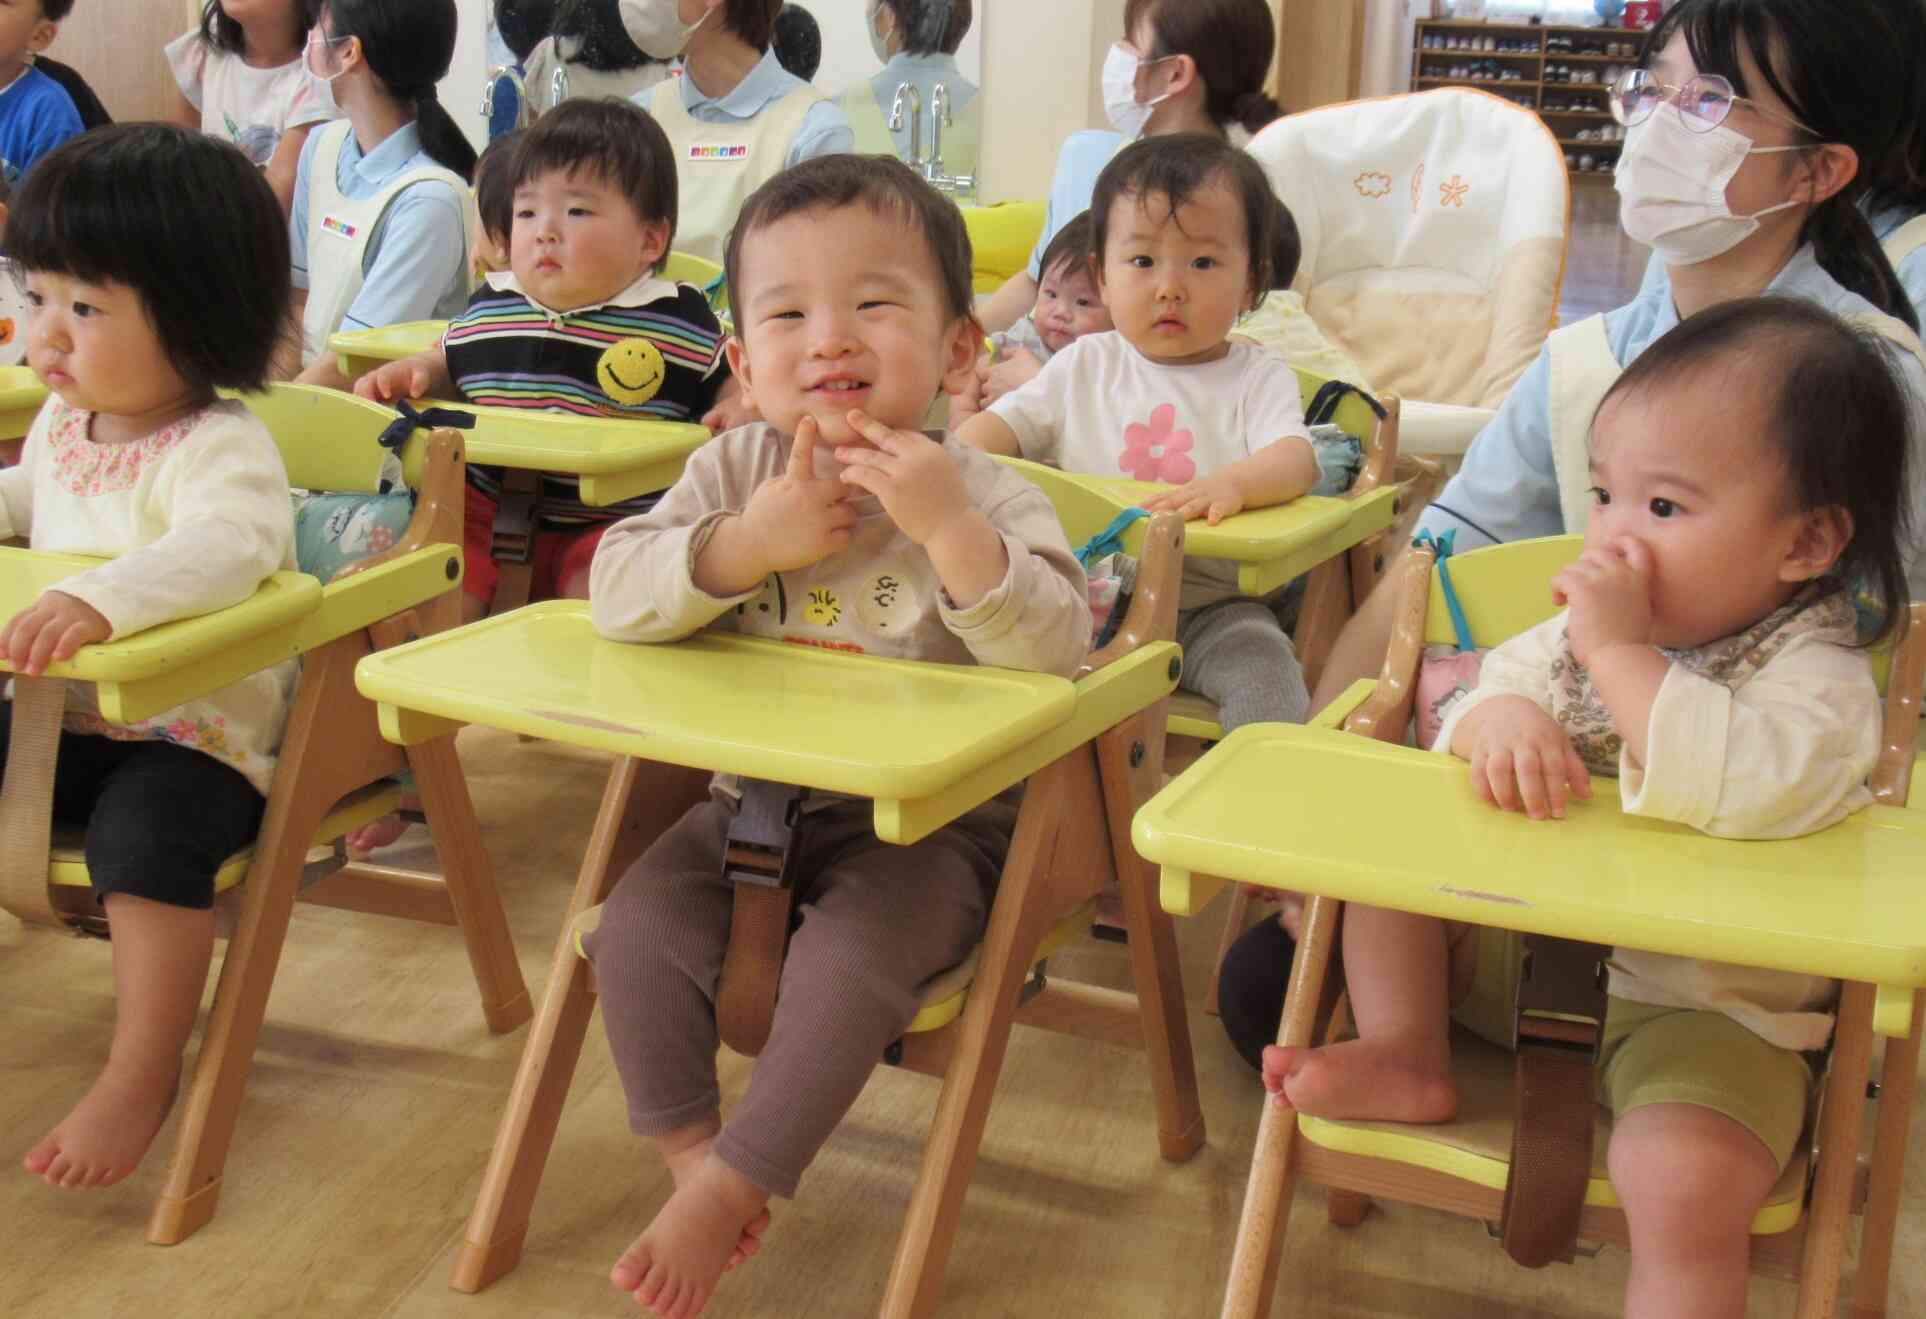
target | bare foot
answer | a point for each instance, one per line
(1379, 1080)
(109, 1130)
(380, 833)
(673, 1267)
(683, 1166)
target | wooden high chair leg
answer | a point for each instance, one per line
(1841, 1113)
(1060, 821)
(640, 801)
(469, 877)
(1267, 1198)
(1130, 764)
(1898, 1078)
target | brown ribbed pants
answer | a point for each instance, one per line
(878, 922)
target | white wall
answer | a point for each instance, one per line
(461, 90)
(1041, 61)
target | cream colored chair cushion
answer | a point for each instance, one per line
(1433, 230)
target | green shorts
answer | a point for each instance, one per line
(1658, 1055)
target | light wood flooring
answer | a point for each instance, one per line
(376, 1090)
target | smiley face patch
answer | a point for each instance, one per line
(631, 371)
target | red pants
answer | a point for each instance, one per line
(559, 555)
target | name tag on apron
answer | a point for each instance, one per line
(339, 228)
(711, 153)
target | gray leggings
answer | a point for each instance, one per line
(878, 922)
(1237, 654)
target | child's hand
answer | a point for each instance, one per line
(1016, 369)
(1609, 590)
(733, 410)
(919, 484)
(799, 518)
(1520, 758)
(393, 380)
(52, 629)
(1215, 497)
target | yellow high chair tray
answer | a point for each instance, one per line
(21, 395)
(613, 459)
(926, 741)
(1284, 807)
(361, 351)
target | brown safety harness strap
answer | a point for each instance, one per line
(1561, 1021)
(26, 797)
(512, 537)
(761, 857)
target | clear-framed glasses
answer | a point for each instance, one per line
(1703, 100)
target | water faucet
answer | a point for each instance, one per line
(932, 167)
(558, 85)
(495, 75)
(906, 91)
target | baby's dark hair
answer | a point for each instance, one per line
(1287, 249)
(1069, 246)
(183, 219)
(1837, 412)
(217, 29)
(797, 39)
(1177, 166)
(591, 33)
(888, 188)
(616, 139)
(56, 10)
(523, 23)
(495, 186)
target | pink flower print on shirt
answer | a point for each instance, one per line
(1157, 451)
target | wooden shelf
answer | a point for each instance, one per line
(1535, 90)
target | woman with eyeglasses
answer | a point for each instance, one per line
(1752, 129)
(1894, 199)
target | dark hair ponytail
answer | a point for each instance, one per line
(409, 45)
(1231, 41)
(1842, 71)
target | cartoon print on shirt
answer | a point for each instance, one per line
(631, 371)
(823, 609)
(1157, 450)
(769, 606)
(884, 604)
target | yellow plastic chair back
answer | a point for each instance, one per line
(705, 275)
(1502, 589)
(1001, 240)
(327, 438)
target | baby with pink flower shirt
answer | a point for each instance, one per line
(1184, 227)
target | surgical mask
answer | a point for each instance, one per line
(323, 81)
(657, 29)
(1671, 187)
(1127, 114)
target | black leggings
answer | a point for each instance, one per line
(160, 819)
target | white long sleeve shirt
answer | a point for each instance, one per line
(193, 518)
(1784, 753)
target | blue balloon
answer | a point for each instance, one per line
(1608, 10)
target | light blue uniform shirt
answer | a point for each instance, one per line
(416, 264)
(922, 72)
(1508, 489)
(1911, 271)
(1079, 162)
(825, 128)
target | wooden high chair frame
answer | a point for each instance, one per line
(1811, 1252)
(1084, 777)
(331, 775)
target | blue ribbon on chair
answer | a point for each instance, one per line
(1110, 539)
(1441, 545)
(409, 421)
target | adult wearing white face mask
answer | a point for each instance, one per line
(1742, 167)
(1184, 66)
(735, 117)
(916, 40)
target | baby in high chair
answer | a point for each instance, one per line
(1183, 239)
(125, 238)
(582, 322)
(1068, 306)
(1749, 472)
(835, 524)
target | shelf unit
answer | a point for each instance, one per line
(1567, 108)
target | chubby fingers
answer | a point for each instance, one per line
(802, 451)
(883, 437)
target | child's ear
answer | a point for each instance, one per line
(43, 35)
(959, 354)
(655, 241)
(1823, 537)
(739, 365)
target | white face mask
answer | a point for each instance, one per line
(1128, 115)
(877, 41)
(657, 29)
(1671, 187)
(325, 81)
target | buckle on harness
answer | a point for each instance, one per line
(512, 534)
(764, 843)
(1561, 996)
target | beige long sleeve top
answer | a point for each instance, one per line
(880, 596)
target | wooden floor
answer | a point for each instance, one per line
(376, 1090)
